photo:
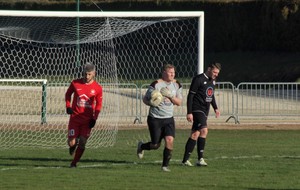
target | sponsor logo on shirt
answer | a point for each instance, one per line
(83, 101)
(209, 94)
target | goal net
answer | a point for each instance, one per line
(42, 52)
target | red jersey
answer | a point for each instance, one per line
(87, 99)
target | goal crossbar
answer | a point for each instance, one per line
(102, 14)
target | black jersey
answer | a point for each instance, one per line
(201, 94)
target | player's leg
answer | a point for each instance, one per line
(189, 147)
(79, 151)
(73, 143)
(191, 142)
(155, 134)
(201, 141)
(72, 136)
(167, 153)
(84, 134)
(169, 134)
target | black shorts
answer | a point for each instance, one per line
(159, 128)
(200, 121)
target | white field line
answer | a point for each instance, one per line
(136, 163)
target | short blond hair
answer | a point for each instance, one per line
(168, 66)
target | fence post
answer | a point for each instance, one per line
(44, 102)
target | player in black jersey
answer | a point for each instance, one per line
(200, 97)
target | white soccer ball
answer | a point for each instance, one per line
(156, 96)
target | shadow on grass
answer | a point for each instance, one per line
(53, 162)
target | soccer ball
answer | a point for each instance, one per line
(156, 96)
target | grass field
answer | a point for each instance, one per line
(238, 159)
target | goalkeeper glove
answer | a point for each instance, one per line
(69, 111)
(92, 123)
(166, 92)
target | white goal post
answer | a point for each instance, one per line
(127, 48)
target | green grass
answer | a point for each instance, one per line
(238, 159)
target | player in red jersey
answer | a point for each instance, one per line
(84, 110)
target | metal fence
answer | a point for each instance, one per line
(268, 101)
(265, 102)
(246, 103)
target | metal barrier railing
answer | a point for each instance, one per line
(225, 98)
(129, 97)
(276, 100)
(224, 95)
(268, 99)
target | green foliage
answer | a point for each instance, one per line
(238, 159)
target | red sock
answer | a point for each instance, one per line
(78, 154)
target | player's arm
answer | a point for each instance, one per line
(98, 107)
(147, 96)
(189, 103)
(68, 97)
(177, 100)
(192, 92)
(214, 105)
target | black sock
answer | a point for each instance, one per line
(200, 147)
(167, 157)
(146, 146)
(189, 147)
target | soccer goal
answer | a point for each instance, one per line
(128, 49)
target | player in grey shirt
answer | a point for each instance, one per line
(160, 119)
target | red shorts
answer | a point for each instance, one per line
(78, 128)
